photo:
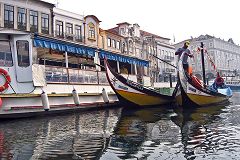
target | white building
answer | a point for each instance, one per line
(225, 55)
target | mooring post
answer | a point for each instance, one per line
(170, 80)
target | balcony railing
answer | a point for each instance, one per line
(168, 58)
(69, 36)
(8, 24)
(168, 70)
(22, 26)
(33, 29)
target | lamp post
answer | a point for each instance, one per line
(228, 65)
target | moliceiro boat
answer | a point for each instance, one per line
(134, 93)
(193, 92)
(41, 73)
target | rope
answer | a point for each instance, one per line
(209, 57)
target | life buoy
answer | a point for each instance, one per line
(7, 79)
(219, 81)
(197, 82)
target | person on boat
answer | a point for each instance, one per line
(218, 83)
(187, 54)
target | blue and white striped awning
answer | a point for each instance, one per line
(124, 59)
(63, 46)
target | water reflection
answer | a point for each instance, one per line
(80, 136)
(126, 133)
(142, 133)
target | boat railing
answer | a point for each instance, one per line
(56, 74)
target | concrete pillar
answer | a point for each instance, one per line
(66, 59)
(15, 18)
(97, 61)
(39, 22)
(1, 14)
(135, 68)
(28, 20)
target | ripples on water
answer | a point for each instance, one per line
(123, 133)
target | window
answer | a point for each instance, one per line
(8, 16)
(113, 43)
(118, 44)
(69, 31)
(23, 53)
(130, 46)
(33, 21)
(122, 31)
(91, 31)
(59, 28)
(123, 47)
(78, 32)
(45, 23)
(5, 54)
(22, 19)
(109, 42)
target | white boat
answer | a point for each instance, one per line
(39, 74)
(232, 82)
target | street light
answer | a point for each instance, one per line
(228, 66)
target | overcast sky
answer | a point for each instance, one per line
(167, 18)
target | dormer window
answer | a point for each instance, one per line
(91, 31)
(122, 31)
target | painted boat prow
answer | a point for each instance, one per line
(132, 92)
(198, 94)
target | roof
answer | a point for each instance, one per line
(114, 30)
(123, 23)
(144, 33)
(45, 1)
(94, 17)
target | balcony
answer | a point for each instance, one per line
(169, 58)
(33, 29)
(168, 70)
(22, 26)
(67, 36)
(8, 24)
(45, 31)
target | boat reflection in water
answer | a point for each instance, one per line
(157, 133)
(143, 133)
(124, 133)
(80, 136)
(210, 132)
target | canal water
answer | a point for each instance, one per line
(125, 133)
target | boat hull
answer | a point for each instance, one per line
(28, 105)
(141, 99)
(134, 93)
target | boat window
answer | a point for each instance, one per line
(23, 53)
(5, 54)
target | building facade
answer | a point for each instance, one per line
(32, 16)
(145, 45)
(224, 54)
(127, 46)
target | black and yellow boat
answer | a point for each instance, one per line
(192, 92)
(128, 91)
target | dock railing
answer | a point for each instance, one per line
(56, 74)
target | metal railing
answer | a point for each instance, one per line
(74, 76)
(69, 36)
